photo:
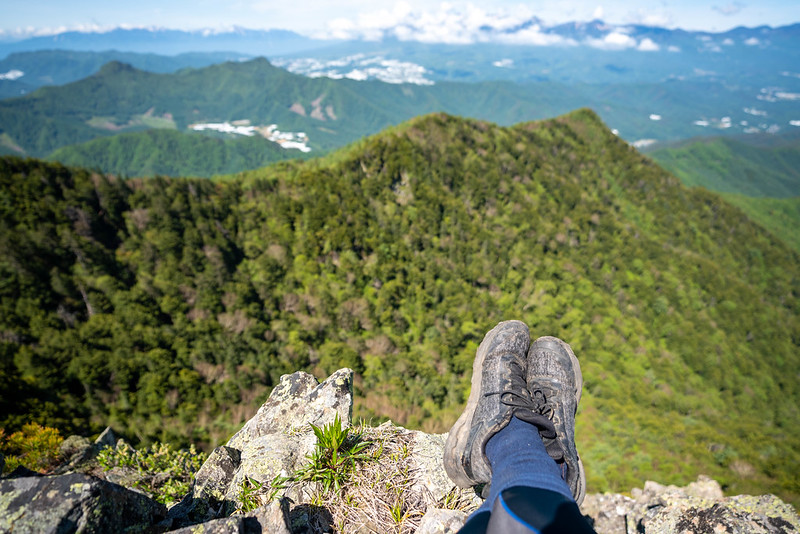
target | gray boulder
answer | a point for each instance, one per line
(77, 452)
(441, 521)
(697, 508)
(74, 503)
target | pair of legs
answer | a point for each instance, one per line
(517, 435)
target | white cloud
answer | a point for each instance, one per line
(647, 45)
(598, 13)
(503, 63)
(534, 36)
(655, 117)
(613, 41)
(673, 48)
(728, 42)
(447, 23)
(648, 18)
(731, 9)
(753, 41)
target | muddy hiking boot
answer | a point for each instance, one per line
(499, 391)
(555, 382)
(539, 383)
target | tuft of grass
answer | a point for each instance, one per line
(382, 495)
(251, 495)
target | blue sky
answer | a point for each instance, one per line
(322, 17)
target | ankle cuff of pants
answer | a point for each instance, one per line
(524, 510)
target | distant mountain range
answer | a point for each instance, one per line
(649, 84)
(121, 99)
(168, 42)
(26, 71)
(593, 52)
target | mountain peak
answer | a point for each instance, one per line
(115, 67)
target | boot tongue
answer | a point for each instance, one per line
(554, 449)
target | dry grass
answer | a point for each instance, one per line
(381, 496)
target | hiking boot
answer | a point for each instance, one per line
(498, 386)
(555, 382)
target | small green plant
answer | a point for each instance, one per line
(334, 457)
(163, 473)
(250, 495)
(396, 511)
(333, 460)
(35, 447)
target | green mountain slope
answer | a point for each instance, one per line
(120, 98)
(735, 166)
(170, 307)
(172, 153)
(781, 216)
(759, 174)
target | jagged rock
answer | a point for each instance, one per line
(698, 507)
(107, 438)
(228, 525)
(743, 514)
(297, 401)
(607, 512)
(430, 476)
(273, 518)
(74, 448)
(274, 442)
(277, 440)
(206, 499)
(441, 521)
(74, 503)
(78, 451)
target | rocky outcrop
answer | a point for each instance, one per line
(274, 442)
(699, 507)
(74, 503)
(401, 488)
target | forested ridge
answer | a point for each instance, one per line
(168, 308)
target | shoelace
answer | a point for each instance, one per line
(539, 398)
(530, 407)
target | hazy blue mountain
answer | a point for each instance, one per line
(592, 52)
(770, 58)
(168, 42)
(57, 67)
